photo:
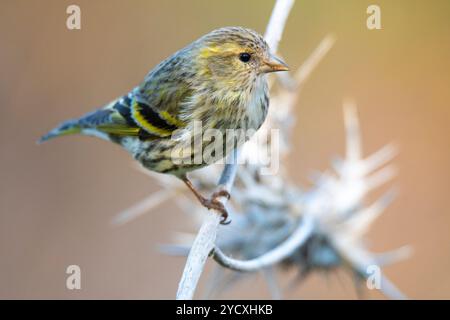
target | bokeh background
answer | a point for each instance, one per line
(57, 199)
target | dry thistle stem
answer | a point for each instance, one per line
(275, 222)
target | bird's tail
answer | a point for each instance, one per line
(66, 128)
(88, 124)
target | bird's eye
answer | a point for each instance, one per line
(245, 57)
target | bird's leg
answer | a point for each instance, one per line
(213, 202)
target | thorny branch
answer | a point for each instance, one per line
(273, 257)
(207, 234)
(275, 223)
(206, 237)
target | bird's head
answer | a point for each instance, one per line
(235, 56)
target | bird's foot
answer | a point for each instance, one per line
(214, 203)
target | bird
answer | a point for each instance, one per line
(219, 82)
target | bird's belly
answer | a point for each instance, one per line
(166, 155)
(180, 156)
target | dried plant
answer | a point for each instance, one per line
(275, 223)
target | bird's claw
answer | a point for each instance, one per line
(221, 193)
(214, 203)
(215, 196)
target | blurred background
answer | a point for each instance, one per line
(57, 200)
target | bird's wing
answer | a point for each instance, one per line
(151, 111)
(135, 115)
(114, 119)
(156, 105)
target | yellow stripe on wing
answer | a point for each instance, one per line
(151, 121)
(172, 120)
(120, 130)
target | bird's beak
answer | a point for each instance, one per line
(273, 64)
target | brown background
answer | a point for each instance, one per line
(57, 199)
